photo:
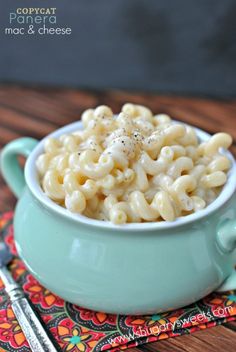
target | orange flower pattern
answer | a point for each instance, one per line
(76, 329)
(10, 331)
(40, 295)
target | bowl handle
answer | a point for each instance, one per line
(226, 240)
(11, 170)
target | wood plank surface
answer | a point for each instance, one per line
(36, 111)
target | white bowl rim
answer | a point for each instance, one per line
(31, 177)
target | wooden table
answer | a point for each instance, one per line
(37, 111)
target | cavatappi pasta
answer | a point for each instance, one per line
(134, 167)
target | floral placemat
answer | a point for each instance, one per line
(77, 329)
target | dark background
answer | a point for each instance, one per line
(164, 46)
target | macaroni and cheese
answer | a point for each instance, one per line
(134, 167)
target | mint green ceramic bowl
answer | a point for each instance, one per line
(131, 269)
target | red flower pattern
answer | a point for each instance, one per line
(74, 338)
(9, 239)
(10, 330)
(98, 318)
(40, 295)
